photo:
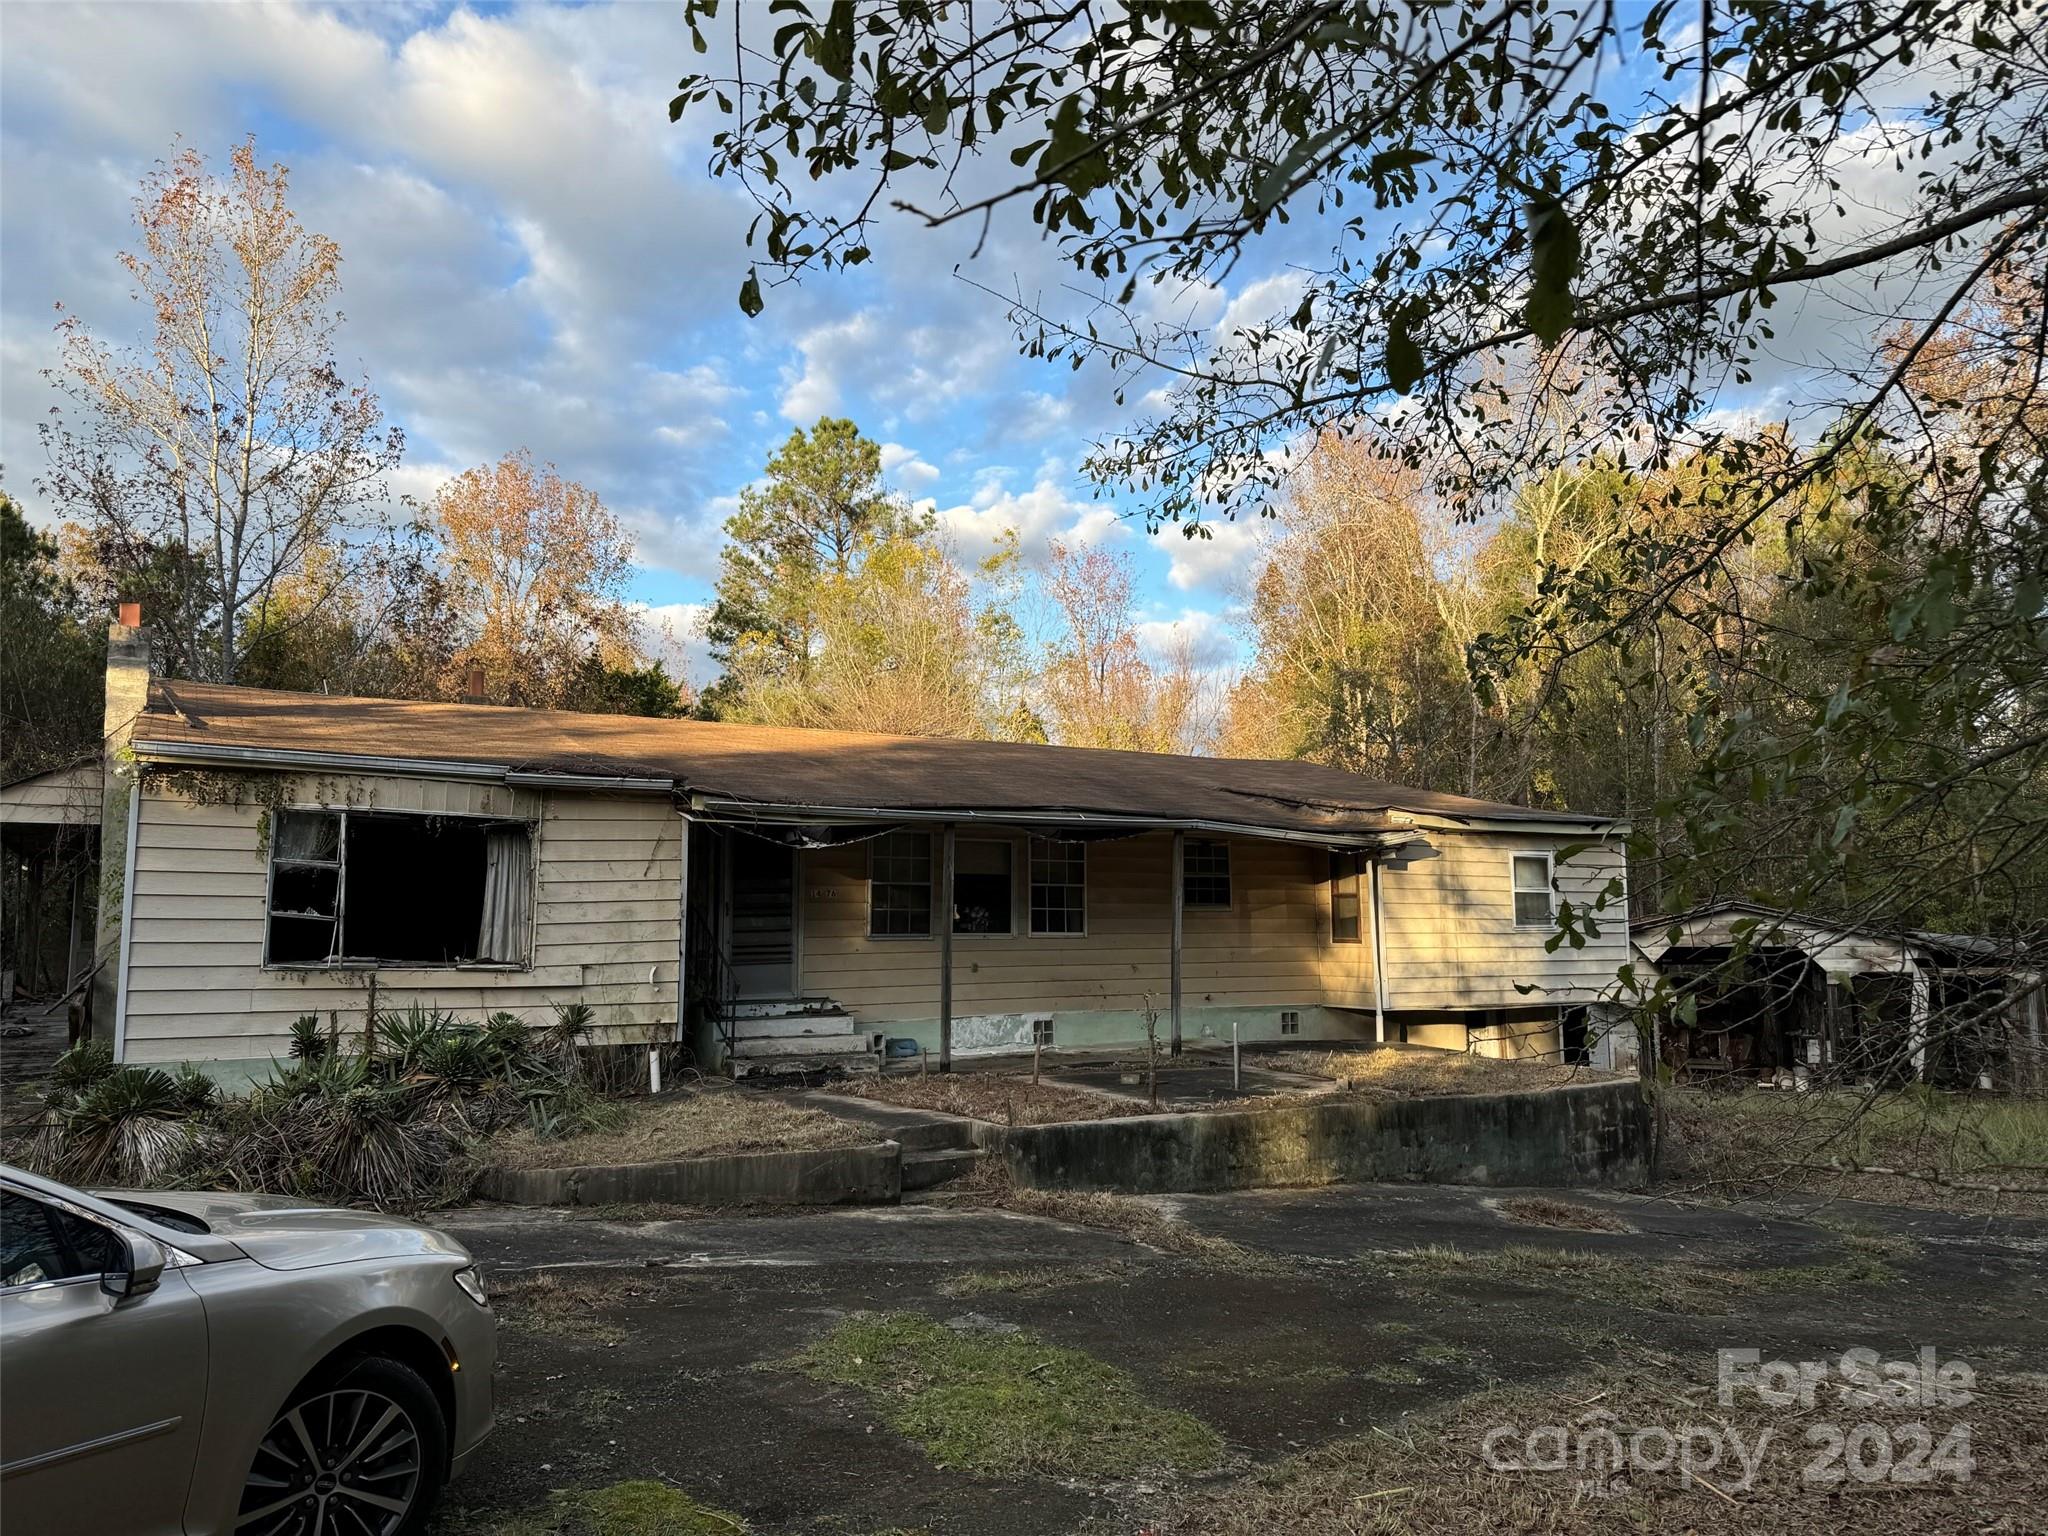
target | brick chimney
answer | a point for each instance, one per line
(127, 693)
(473, 685)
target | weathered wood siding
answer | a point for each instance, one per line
(1449, 933)
(605, 919)
(1271, 948)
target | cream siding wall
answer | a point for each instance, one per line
(1271, 948)
(1449, 934)
(605, 919)
(64, 796)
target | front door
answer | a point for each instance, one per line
(763, 921)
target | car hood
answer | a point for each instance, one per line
(282, 1233)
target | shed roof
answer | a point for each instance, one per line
(771, 768)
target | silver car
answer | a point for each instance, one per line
(203, 1364)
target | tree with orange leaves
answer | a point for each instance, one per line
(539, 564)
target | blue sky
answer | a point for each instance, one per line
(533, 256)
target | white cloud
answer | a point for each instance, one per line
(1217, 556)
(1042, 513)
(903, 466)
(1207, 637)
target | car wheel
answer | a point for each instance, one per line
(360, 1453)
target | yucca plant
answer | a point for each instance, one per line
(128, 1128)
(401, 1037)
(509, 1044)
(309, 1043)
(197, 1092)
(79, 1068)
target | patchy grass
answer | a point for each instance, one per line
(1028, 1282)
(1007, 1403)
(1548, 1211)
(697, 1122)
(1660, 1286)
(1429, 1478)
(1914, 1146)
(1414, 1071)
(566, 1304)
(643, 1507)
(1006, 1098)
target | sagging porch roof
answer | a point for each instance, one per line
(780, 773)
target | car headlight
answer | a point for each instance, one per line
(472, 1284)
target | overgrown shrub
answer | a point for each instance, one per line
(395, 1126)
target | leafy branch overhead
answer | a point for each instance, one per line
(1492, 179)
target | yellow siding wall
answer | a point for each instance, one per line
(1448, 926)
(605, 919)
(1272, 948)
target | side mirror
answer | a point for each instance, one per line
(138, 1266)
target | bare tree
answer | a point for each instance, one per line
(231, 438)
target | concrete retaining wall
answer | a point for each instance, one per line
(844, 1176)
(1585, 1134)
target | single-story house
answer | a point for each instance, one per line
(771, 896)
(1780, 993)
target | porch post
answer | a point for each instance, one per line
(1917, 1016)
(683, 935)
(1379, 955)
(945, 916)
(1180, 864)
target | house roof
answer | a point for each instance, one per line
(742, 769)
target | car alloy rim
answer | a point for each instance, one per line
(344, 1463)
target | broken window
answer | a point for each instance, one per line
(1345, 925)
(1059, 886)
(900, 885)
(984, 888)
(1205, 873)
(395, 888)
(1532, 890)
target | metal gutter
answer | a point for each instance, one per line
(420, 767)
(748, 810)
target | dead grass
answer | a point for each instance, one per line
(1653, 1285)
(1430, 1478)
(1004, 1098)
(567, 1304)
(1419, 1072)
(1914, 1147)
(697, 1122)
(1548, 1211)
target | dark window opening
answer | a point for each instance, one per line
(1290, 1023)
(1577, 1039)
(1041, 1034)
(399, 889)
(1345, 921)
(984, 887)
(1205, 873)
(1059, 886)
(900, 885)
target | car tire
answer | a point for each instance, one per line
(366, 1437)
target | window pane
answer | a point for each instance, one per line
(900, 884)
(1205, 873)
(308, 890)
(982, 887)
(1059, 886)
(1344, 909)
(1532, 872)
(307, 835)
(1532, 909)
(41, 1242)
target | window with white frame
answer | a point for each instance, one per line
(358, 887)
(1205, 873)
(1059, 886)
(1531, 875)
(900, 885)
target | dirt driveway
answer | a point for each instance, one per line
(845, 1371)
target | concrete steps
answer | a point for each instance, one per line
(928, 1170)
